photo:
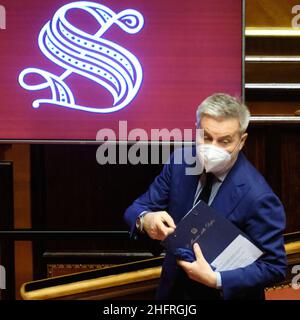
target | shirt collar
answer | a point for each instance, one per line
(221, 177)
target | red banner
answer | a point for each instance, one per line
(69, 69)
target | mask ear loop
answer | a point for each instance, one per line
(239, 143)
(235, 147)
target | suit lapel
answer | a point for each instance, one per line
(232, 190)
(187, 187)
(190, 187)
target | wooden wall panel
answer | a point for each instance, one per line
(7, 222)
(20, 155)
(273, 72)
(273, 106)
(290, 172)
(273, 46)
(269, 13)
(255, 147)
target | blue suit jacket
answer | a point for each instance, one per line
(245, 199)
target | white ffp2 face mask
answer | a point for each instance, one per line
(214, 159)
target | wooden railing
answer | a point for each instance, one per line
(117, 281)
(125, 280)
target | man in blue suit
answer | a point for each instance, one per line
(230, 185)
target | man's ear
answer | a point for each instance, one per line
(243, 140)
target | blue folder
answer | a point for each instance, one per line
(202, 224)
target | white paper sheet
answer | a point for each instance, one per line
(240, 253)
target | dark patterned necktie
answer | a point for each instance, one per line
(206, 190)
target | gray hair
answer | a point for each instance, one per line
(224, 105)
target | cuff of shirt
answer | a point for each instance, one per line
(139, 226)
(143, 213)
(219, 280)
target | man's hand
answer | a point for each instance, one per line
(199, 270)
(158, 225)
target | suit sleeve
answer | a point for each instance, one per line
(265, 225)
(155, 199)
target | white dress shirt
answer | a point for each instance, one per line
(217, 182)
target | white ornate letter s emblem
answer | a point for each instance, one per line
(89, 55)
